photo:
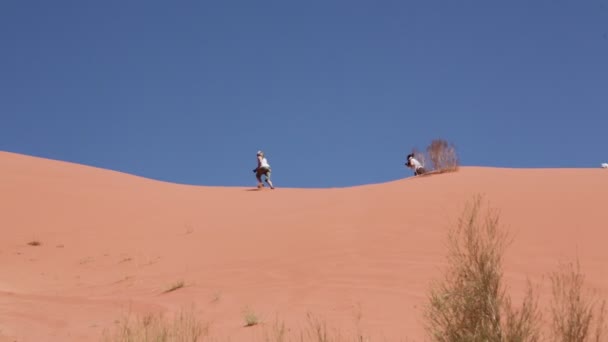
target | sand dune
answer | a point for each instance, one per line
(113, 242)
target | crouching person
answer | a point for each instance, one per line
(415, 165)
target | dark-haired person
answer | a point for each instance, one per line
(415, 165)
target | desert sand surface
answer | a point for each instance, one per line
(360, 258)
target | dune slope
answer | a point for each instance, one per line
(359, 257)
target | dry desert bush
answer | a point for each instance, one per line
(577, 315)
(443, 156)
(470, 302)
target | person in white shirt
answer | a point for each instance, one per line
(415, 165)
(263, 169)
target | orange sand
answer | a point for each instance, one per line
(113, 242)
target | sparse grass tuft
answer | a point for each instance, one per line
(577, 316)
(175, 286)
(126, 259)
(34, 243)
(278, 332)
(184, 327)
(216, 297)
(251, 318)
(315, 329)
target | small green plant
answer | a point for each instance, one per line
(175, 286)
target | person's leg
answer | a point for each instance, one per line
(420, 171)
(268, 179)
(258, 176)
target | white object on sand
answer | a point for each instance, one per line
(605, 165)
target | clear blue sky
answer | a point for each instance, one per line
(335, 92)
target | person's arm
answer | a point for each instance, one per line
(259, 163)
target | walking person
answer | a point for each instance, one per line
(263, 170)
